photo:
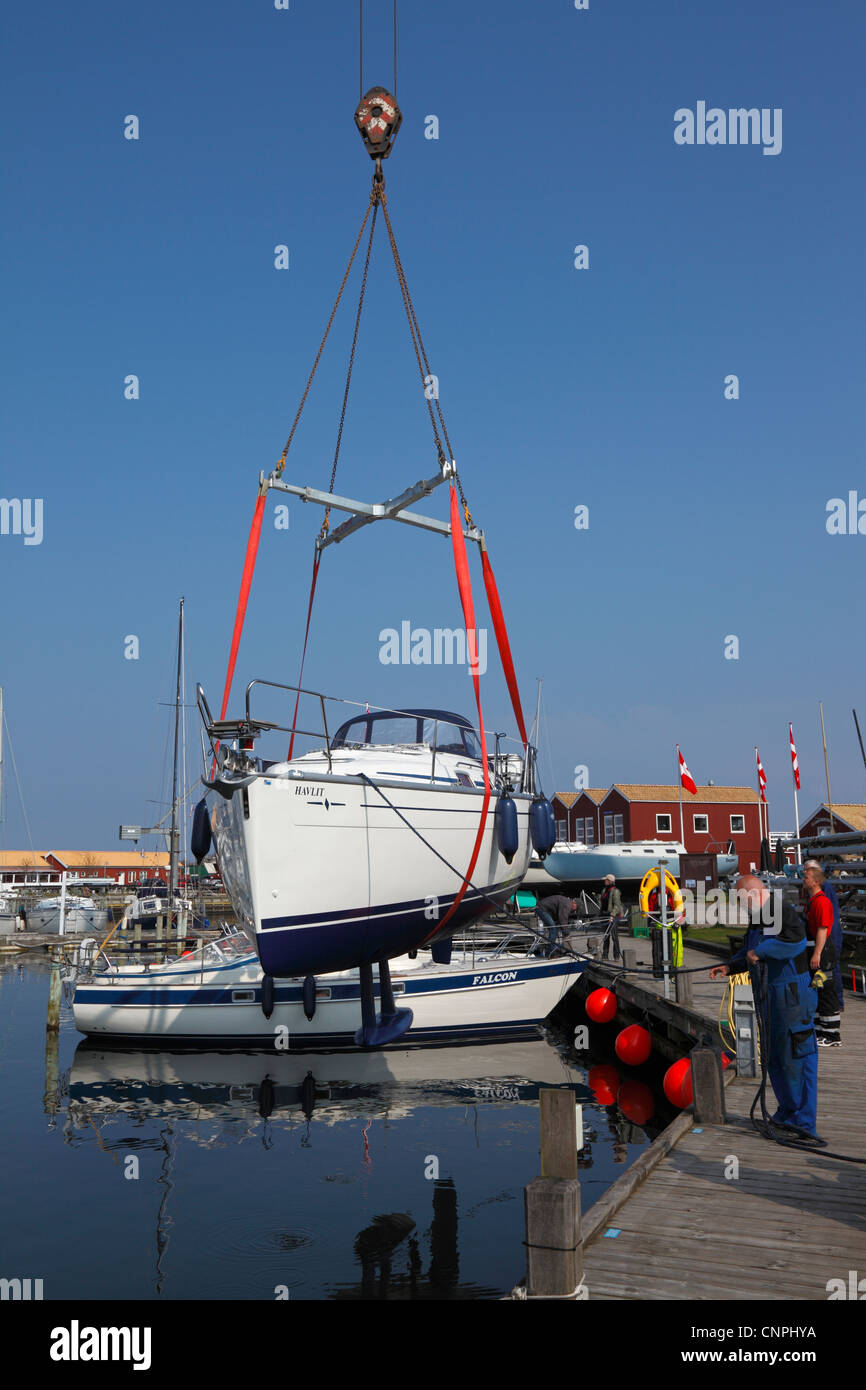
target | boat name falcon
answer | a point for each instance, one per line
(502, 978)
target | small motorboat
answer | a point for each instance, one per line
(217, 994)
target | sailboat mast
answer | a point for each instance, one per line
(173, 852)
(1, 751)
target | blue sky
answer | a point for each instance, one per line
(602, 387)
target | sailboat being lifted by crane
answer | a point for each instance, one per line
(398, 828)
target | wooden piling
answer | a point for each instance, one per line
(554, 1254)
(683, 987)
(708, 1086)
(55, 993)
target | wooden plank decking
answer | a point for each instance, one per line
(786, 1225)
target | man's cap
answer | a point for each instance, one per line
(609, 878)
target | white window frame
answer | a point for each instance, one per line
(700, 829)
(618, 830)
(589, 830)
(664, 830)
(741, 830)
(608, 828)
(562, 831)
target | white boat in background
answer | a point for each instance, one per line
(218, 995)
(579, 863)
(81, 915)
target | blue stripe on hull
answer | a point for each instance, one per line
(323, 942)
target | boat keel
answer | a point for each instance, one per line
(378, 1029)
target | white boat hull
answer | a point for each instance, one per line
(477, 997)
(328, 875)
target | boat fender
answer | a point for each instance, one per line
(413, 955)
(542, 828)
(310, 997)
(441, 951)
(506, 828)
(267, 995)
(200, 839)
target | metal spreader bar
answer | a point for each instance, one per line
(364, 513)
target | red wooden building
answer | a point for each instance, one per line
(850, 816)
(635, 811)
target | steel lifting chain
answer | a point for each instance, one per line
(421, 358)
(375, 200)
(282, 459)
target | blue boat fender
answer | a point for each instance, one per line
(310, 997)
(267, 995)
(506, 828)
(200, 839)
(542, 826)
(441, 951)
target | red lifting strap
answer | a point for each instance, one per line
(246, 581)
(502, 641)
(464, 584)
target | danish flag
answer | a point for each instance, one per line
(762, 776)
(685, 776)
(796, 765)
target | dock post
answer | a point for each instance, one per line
(136, 937)
(181, 930)
(683, 986)
(554, 1252)
(629, 958)
(158, 929)
(708, 1087)
(55, 993)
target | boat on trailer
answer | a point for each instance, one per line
(217, 995)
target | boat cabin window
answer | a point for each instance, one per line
(446, 732)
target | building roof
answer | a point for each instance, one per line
(640, 791)
(596, 794)
(853, 813)
(83, 858)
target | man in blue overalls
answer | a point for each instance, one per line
(775, 952)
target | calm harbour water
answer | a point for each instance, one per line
(382, 1175)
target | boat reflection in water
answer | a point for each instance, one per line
(365, 1215)
(114, 1083)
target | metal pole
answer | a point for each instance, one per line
(663, 905)
(173, 850)
(826, 767)
(680, 780)
(854, 712)
(62, 925)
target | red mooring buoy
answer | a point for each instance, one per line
(633, 1045)
(603, 1081)
(635, 1100)
(601, 1005)
(678, 1083)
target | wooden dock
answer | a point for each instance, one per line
(725, 1214)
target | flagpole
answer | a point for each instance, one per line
(796, 806)
(826, 768)
(680, 780)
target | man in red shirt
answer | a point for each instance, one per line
(819, 925)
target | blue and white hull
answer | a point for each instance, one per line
(195, 1001)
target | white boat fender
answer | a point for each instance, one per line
(310, 997)
(267, 995)
(200, 838)
(506, 828)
